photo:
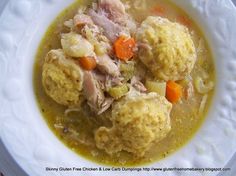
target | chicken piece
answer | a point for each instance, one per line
(62, 79)
(106, 104)
(112, 82)
(138, 122)
(95, 36)
(81, 20)
(138, 85)
(75, 45)
(111, 29)
(111, 16)
(101, 79)
(106, 65)
(94, 94)
(167, 48)
(92, 91)
(188, 91)
(113, 9)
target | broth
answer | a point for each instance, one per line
(79, 132)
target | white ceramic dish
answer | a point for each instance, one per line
(32, 144)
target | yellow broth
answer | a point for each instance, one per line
(76, 130)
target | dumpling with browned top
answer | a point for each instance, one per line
(166, 48)
(138, 122)
(62, 78)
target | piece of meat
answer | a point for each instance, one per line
(94, 94)
(111, 29)
(92, 91)
(101, 78)
(188, 91)
(113, 9)
(116, 81)
(106, 105)
(106, 65)
(112, 81)
(82, 19)
(138, 85)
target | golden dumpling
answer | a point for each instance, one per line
(138, 122)
(166, 48)
(62, 78)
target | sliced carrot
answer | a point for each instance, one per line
(159, 10)
(184, 20)
(87, 63)
(124, 48)
(173, 91)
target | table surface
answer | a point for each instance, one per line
(8, 167)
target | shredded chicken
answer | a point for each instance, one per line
(111, 29)
(113, 9)
(82, 19)
(101, 79)
(105, 105)
(188, 91)
(137, 84)
(94, 94)
(106, 65)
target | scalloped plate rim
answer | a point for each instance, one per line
(39, 159)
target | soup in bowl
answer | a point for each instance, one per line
(124, 82)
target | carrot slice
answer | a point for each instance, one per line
(124, 48)
(173, 91)
(159, 10)
(184, 20)
(87, 63)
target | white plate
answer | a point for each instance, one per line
(34, 147)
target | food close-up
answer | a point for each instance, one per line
(124, 82)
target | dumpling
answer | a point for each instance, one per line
(166, 48)
(62, 79)
(138, 122)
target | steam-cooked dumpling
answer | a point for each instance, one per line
(166, 48)
(62, 78)
(138, 122)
